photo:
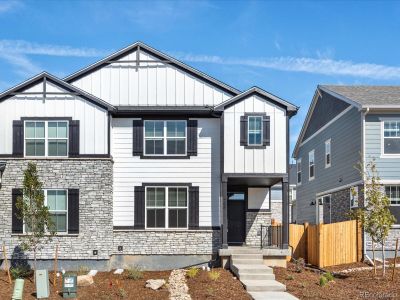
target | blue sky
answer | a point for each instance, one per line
(286, 48)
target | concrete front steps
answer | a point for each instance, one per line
(257, 278)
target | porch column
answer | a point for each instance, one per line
(285, 213)
(224, 213)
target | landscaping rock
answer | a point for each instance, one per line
(177, 287)
(85, 280)
(92, 273)
(119, 271)
(155, 284)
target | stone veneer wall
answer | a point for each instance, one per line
(93, 178)
(394, 234)
(254, 220)
(180, 242)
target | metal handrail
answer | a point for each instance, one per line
(271, 236)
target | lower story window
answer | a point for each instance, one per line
(393, 193)
(166, 207)
(354, 196)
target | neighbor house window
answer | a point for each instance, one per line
(255, 130)
(393, 193)
(391, 137)
(46, 138)
(299, 171)
(56, 201)
(354, 196)
(328, 157)
(311, 165)
(165, 137)
(166, 207)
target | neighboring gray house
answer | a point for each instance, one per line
(145, 159)
(344, 126)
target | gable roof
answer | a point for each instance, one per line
(291, 108)
(160, 55)
(44, 76)
(365, 96)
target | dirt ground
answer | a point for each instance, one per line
(225, 287)
(108, 286)
(354, 285)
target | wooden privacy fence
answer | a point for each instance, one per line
(326, 244)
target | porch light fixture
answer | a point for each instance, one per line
(2, 168)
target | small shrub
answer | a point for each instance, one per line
(289, 277)
(83, 270)
(329, 276)
(20, 272)
(122, 293)
(323, 281)
(134, 273)
(210, 292)
(192, 272)
(299, 264)
(214, 275)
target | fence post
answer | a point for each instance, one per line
(305, 241)
(359, 241)
(320, 244)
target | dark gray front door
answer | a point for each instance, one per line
(236, 218)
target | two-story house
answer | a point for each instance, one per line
(144, 160)
(345, 126)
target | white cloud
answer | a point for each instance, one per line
(6, 6)
(24, 47)
(22, 64)
(321, 65)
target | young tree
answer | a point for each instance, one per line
(39, 227)
(375, 217)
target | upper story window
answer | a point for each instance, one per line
(165, 137)
(299, 171)
(311, 165)
(393, 193)
(391, 137)
(166, 207)
(255, 132)
(46, 138)
(354, 196)
(328, 153)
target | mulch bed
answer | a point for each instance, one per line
(354, 285)
(225, 287)
(107, 286)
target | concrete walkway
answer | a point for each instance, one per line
(257, 278)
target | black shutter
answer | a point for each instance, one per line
(18, 138)
(73, 138)
(192, 137)
(137, 138)
(266, 130)
(243, 130)
(73, 211)
(140, 209)
(17, 224)
(194, 207)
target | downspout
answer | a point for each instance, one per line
(363, 115)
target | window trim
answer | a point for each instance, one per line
(45, 203)
(298, 170)
(46, 136)
(167, 207)
(387, 185)
(328, 142)
(165, 139)
(261, 131)
(383, 154)
(309, 165)
(352, 204)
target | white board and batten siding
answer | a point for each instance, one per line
(93, 119)
(202, 170)
(153, 84)
(273, 158)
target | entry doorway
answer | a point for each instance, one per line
(236, 218)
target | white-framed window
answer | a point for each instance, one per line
(57, 202)
(393, 193)
(255, 131)
(167, 207)
(354, 196)
(46, 138)
(299, 171)
(328, 157)
(292, 193)
(391, 137)
(311, 165)
(165, 137)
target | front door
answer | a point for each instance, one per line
(236, 218)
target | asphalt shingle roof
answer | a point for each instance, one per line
(367, 95)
